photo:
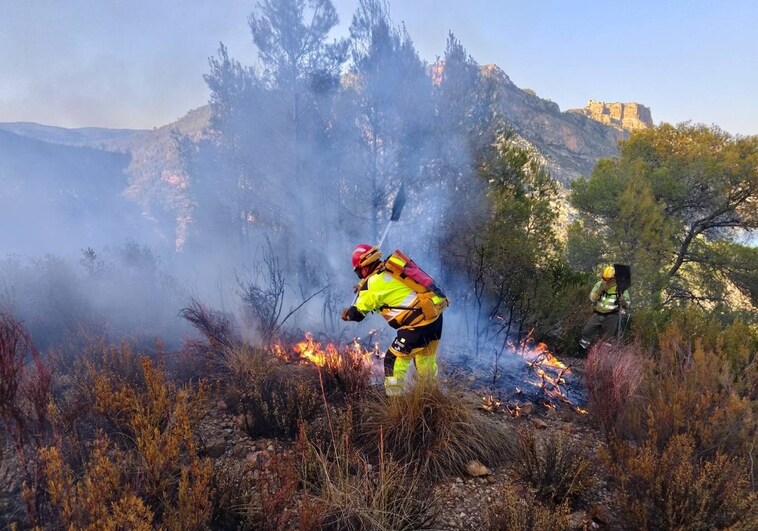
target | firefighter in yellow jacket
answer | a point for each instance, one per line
(605, 316)
(417, 337)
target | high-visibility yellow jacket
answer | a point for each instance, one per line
(395, 301)
(605, 299)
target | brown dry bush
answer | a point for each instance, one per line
(612, 376)
(517, 511)
(690, 389)
(147, 458)
(271, 397)
(438, 430)
(233, 487)
(674, 488)
(257, 495)
(556, 466)
(684, 452)
(345, 492)
(24, 396)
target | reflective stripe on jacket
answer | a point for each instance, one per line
(605, 301)
(395, 301)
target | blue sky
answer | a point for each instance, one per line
(139, 63)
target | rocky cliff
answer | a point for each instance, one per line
(624, 116)
(570, 142)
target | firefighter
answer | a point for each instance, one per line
(605, 317)
(417, 337)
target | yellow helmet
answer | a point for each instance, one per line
(609, 273)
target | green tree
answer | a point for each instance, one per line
(673, 205)
(465, 127)
(512, 258)
(273, 123)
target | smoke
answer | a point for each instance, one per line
(271, 204)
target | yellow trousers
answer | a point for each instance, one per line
(425, 360)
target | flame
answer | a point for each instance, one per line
(322, 354)
(550, 371)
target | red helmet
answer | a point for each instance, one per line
(364, 255)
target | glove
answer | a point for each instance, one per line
(605, 285)
(351, 313)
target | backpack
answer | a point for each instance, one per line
(432, 300)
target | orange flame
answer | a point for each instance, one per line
(319, 354)
(549, 370)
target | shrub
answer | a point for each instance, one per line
(272, 398)
(345, 492)
(96, 500)
(145, 468)
(555, 466)
(612, 377)
(690, 390)
(516, 511)
(24, 397)
(344, 370)
(257, 495)
(674, 488)
(434, 429)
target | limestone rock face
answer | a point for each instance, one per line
(570, 143)
(627, 116)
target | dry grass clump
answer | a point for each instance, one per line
(612, 377)
(206, 358)
(345, 492)
(555, 466)
(435, 429)
(521, 511)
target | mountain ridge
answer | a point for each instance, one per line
(568, 142)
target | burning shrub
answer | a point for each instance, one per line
(346, 373)
(612, 377)
(674, 488)
(342, 369)
(555, 466)
(436, 430)
(520, 511)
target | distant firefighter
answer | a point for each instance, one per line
(608, 302)
(410, 301)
